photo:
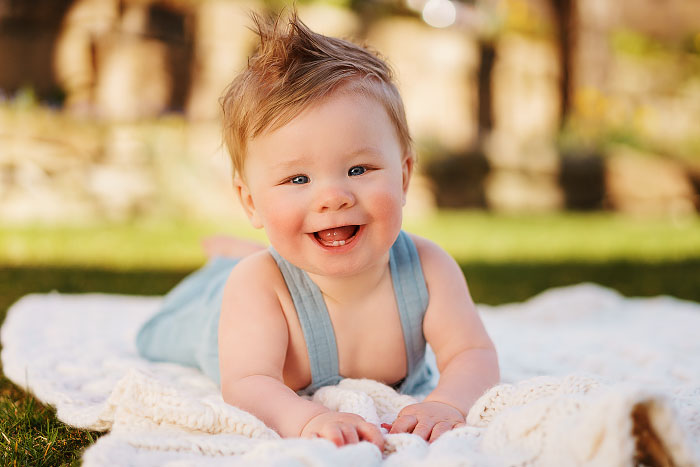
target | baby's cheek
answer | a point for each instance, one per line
(282, 217)
(387, 205)
(284, 223)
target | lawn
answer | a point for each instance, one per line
(468, 236)
(505, 258)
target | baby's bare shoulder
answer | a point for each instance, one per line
(255, 284)
(252, 321)
(451, 322)
(258, 270)
(435, 261)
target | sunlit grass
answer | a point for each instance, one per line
(30, 434)
(147, 244)
(468, 236)
(557, 238)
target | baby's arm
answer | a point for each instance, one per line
(253, 340)
(465, 355)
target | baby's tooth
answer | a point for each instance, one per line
(335, 243)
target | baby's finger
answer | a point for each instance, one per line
(333, 434)
(404, 424)
(349, 434)
(439, 429)
(423, 430)
(371, 433)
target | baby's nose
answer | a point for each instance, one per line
(335, 199)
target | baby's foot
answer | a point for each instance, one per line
(223, 245)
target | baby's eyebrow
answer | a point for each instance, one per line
(301, 160)
(369, 150)
(290, 164)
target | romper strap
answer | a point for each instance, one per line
(412, 301)
(315, 324)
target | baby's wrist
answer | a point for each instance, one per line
(322, 410)
(447, 404)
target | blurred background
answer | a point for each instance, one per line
(558, 140)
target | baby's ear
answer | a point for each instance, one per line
(407, 170)
(246, 199)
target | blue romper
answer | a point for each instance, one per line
(185, 330)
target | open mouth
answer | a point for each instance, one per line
(337, 236)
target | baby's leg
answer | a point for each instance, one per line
(185, 329)
(232, 247)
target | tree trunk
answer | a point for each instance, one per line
(485, 102)
(565, 18)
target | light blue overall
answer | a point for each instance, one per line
(185, 330)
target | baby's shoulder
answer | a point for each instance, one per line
(429, 251)
(435, 261)
(257, 272)
(255, 283)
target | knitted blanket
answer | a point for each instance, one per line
(589, 378)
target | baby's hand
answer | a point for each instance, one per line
(429, 420)
(343, 428)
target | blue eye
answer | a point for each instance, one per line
(357, 170)
(299, 179)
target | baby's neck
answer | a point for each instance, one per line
(347, 289)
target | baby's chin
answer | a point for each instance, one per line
(338, 268)
(340, 272)
(331, 266)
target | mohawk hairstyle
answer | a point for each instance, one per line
(293, 68)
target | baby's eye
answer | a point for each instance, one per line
(299, 179)
(357, 170)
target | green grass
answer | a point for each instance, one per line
(468, 236)
(505, 259)
(140, 245)
(558, 238)
(30, 434)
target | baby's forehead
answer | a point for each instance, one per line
(313, 117)
(292, 113)
(331, 114)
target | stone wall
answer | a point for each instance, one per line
(56, 168)
(521, 148)
(139, 133)
(125, 60)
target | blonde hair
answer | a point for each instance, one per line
(293, 68)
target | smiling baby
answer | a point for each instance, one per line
(322, 161)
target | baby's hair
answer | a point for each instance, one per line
(294, 67)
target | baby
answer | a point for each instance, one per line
(322, 161)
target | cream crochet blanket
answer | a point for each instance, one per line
(590, 378)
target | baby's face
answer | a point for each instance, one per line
(329, 186)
